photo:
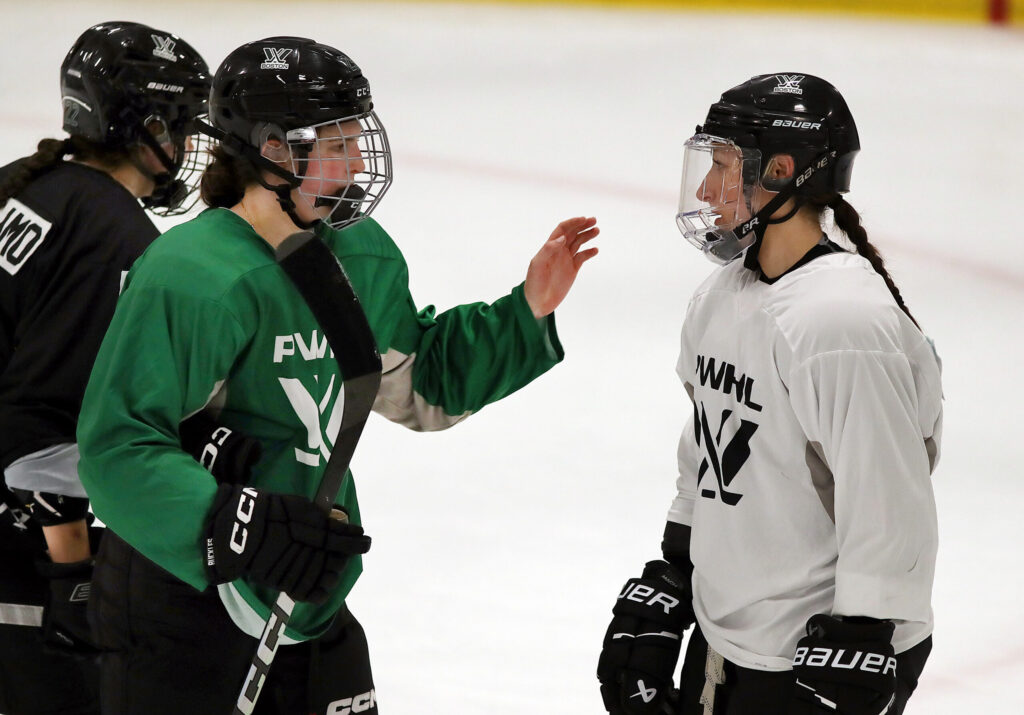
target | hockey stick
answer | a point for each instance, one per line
(322, 282)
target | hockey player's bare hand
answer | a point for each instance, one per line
(553, 270)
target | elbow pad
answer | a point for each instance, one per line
(49, 509)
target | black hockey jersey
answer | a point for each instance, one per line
(66, 242)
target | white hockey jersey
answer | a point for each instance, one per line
(805, 473)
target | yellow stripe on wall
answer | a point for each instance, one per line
(954, 10)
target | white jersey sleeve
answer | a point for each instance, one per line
(859, 410)
(681, 511)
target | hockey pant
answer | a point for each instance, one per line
(746, 691)
(169, 649)
(34, 680)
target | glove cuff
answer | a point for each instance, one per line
(856, 629)
(77, 569)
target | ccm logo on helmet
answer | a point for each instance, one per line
(796, 125)
(358, 704)
(858, 660)
(645, 594)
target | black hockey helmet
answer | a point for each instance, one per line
(118, 74)
(120, 77)
(288, 88)
(731, 155)
(795, 114)
(289, 82)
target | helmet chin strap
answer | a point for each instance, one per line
(283, 192)
(759, 222)
(750, 260)
(167, 191)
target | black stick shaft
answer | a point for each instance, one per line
(320, 279)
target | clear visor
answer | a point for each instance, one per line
(715, 195)
(344, 165)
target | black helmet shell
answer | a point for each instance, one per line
(287, 83)
(118, 74)
(796, 114)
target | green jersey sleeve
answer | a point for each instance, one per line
(164, 356)
(441, 367)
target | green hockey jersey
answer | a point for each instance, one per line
(208, 320)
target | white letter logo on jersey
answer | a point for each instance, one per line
(319, 438)
(310, 412)
(315, 349)
(725, 461)
(22, 231)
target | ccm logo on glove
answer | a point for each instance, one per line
(211, 449)
(243, 515)
(822, 657)
(645, 594)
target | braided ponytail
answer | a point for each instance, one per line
(848, 221)
(49, 153)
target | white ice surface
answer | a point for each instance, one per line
(499, 546)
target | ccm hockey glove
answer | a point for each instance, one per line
(845, 666)
(278, 540)
(65, 629)
(228, 454)
(642, 643)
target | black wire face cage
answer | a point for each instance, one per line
(193, 151)
(344, 165)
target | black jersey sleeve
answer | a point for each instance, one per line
(66, 241)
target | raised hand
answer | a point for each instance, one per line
(553, 270)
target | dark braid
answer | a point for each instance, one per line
(848, 221)
(49, 154)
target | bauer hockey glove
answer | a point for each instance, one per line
(228, 454)
(278, 540)
(642, 643)
(65, 629)
(845, 666)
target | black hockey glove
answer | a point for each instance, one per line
(844, 666)
(64, 626)
(228, 454)
(641, 646)
(278, 540)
